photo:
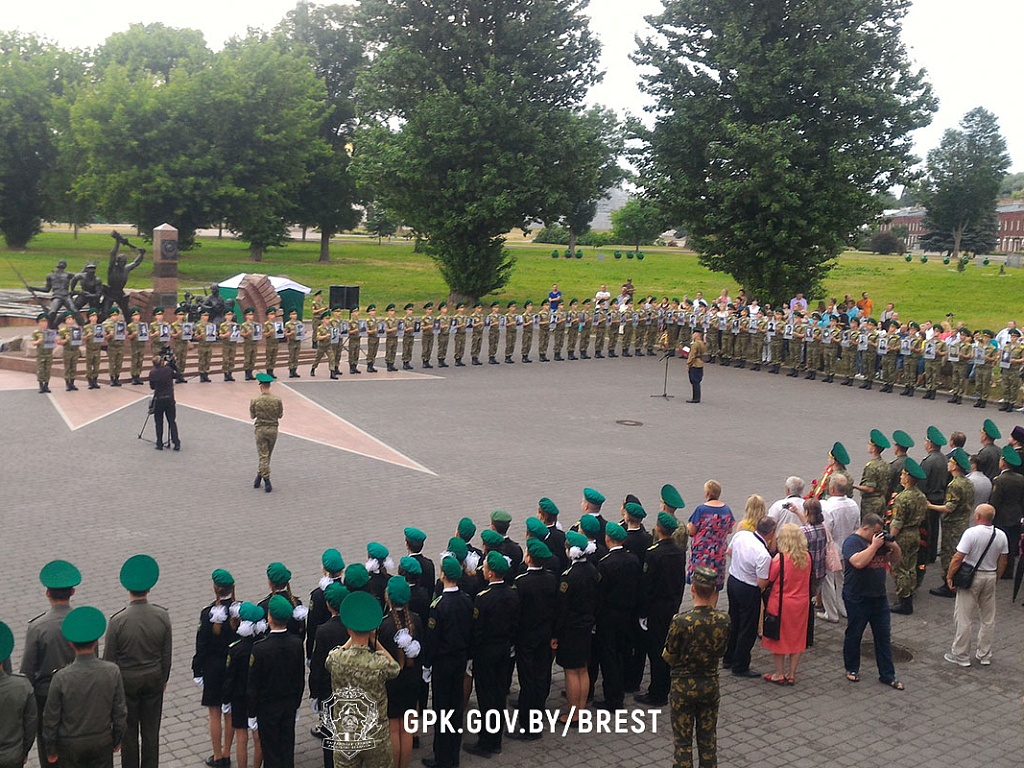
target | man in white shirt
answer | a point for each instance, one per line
(791, 508)
(748, 576)
(754, 308)
(1004, 335)
(986, 548)
(842, 517)
(601, 297)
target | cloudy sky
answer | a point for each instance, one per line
(969, 49)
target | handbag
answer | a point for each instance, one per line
(964, 575)
(772, 625)
(833, 561)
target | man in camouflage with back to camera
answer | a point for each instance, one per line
(694, 648)
(266, 411)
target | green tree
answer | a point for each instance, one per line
(637, 223)
(776, 124)
(380, 224)
(961, 185)
(154, 49)
(1012, 185)
(469, 106)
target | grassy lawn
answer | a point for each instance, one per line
(392, 272)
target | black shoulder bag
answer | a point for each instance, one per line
(772, 625)
(964, 575)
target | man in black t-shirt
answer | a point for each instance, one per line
(161, 381)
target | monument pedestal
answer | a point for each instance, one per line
(165, 266)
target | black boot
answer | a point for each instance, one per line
(334, 374)
(249, 376)
(312, 371)
(353, 369)
(952, 400)
(905, 607)
(42, 387)
(639, 353)
(870, 385)
(626, 353)
(755, 367)
(865, 384)
(597, 356)
(793, 374)
(584, 356)
(406, 367)
(543, 358)
(293, 373)
(509, 360)
(256, 483)
(526, 359)
(136, 381)
(459, 363)
(943, 591)
(811, 376)
(911, 390)
(610, 354)
(93, 384)
(370, 368)
(476, 361)
(442, 364)
(981, 404)
(559, 358)
(572, 356)
(266, 485)
(115, 382)
(390, 367)
(492, 361)
(228, 377)
(69, 386)
(426, 364)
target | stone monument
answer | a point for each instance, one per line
(165, 265)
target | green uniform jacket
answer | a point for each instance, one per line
(18, 718)
(86, 705)
(910, 510)
(696, 642)
(266, 409)
(139, 639)
(46, 650)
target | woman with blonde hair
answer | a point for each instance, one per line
(753, 513)
(789, 598)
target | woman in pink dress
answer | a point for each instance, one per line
(793, 563)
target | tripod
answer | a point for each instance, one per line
(149, 412)
(664, 390)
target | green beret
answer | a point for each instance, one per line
(671, 496)
(477, 304)
(410, 305)
(429, 305)
(332, 561)
(248, 311)
(271, 310)
(1011, 456)
(60, 574)
(264, 378)
(222, 578)
(458, 548)
(250, 612)
(988, 333)
(6, 642)
(389, 307)
(279, 608)
(178, 311)
(335, 594)
(586, 302)
(135, 311)
(414, 535)
(574, 301)
(497, 562)
(538, 549)
(594, 497)
(495, 304)
(356, 576)
(935, 436)
(879, 439)
(370, 306)
(511, 304)
(839, 453)
(962, 459)
(139, 573)
(536, 528)
(411, 566)
(527, 303)
(590, 525)
(92, 312)
(451, 568)
(912, 324)
(84, 625)
(66, 315)
(635, 511)
(42, 316)
(113, 311)
(466, 528)
(326, 313)
(491, 538)
(460, 304)
(913, 469)
(705, 576)
(615, 532)
(278, 574)
(667, 522)
(547, 506)
(576, 539)
(377, 551)
(990, 429)
(500, 516)
(439, 304)
(157, 311)
(207, 312)
(398, 590)
(902, 439)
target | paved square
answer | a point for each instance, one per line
(476, 439)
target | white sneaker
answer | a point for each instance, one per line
(985, 662)
(954, 660)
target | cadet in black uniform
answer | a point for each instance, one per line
(249, 624)
(279, 578)
(637, 541)
(548, 514)
(661, 591)
(334, 566)
(592, 528)
(214, 636)
(495, 616)
(379, 565)
(414, 539)
(276, 682)
(618, 585)
(538, 595)
(500, 521)
(329, 635)
(445, 650)
(574, 622)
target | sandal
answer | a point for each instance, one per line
(853, 677)
(894, 684)
(770, 678)
(790, 681)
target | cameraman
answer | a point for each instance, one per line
(867, 553)
(161, 381)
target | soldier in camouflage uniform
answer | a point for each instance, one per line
(272, 340)
(572, 328)
(561, 318)
(372, 338)
(909, 512)
(1010, 358)
(600, 322)
(69, 337)
(958, 353)
(93, 334)
(651, 336)
(427, 334)
(291, 335)
(460, 333)
(874, 480)
(775, 341)
(694, 647)
(353, 342)
(355, 666)
(114, 328)
(910, 360)
(584, 334)
(390, 338)
(44, 353)
(830, 339)
(511, 331)
(266, 410)
(136, 329)
(179, 344)
(249, 343)
(204, 346)
(756, 350)
(544, 330)
(527, 343)
(322, 343)
(611, 321)
(985, 356)
(493, 333)
(476, 321)
(316, 309)
(443, 334)
(229, 333)
(798, 329)
(955, 513)
(408, 337)
(934, 357)
(889, 348)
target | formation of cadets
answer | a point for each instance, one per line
(577, 597)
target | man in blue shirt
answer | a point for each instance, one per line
(555, 297)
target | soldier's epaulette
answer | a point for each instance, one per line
(653, 546)
(483, 592)
(158, 606)
(520, 575)
(38, 617)
(436, 600)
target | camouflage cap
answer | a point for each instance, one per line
(705, 576)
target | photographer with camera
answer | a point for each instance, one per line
(867, 553)
(161, 381)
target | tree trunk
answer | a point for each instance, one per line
(74, 228)
(325, 247)
(958, 235)
(303, 234)
(454, 298)
(256, 252)
(572, 243)
(220, 231)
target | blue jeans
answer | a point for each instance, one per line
(860, 612)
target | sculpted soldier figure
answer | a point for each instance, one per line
(118, 269)
(86, 287)
(58, 285)
(215, 305)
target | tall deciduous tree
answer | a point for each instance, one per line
(470, 102)
(637, 223)
(776, 121)
(961, 185)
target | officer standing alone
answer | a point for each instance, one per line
(266, 410)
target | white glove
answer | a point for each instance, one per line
(426, 674)
(413, 650)
(253, 725)
(643, 624)
(198, 681)
(225, 709)
(300, 613)
(314, 705)
(512, 653)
